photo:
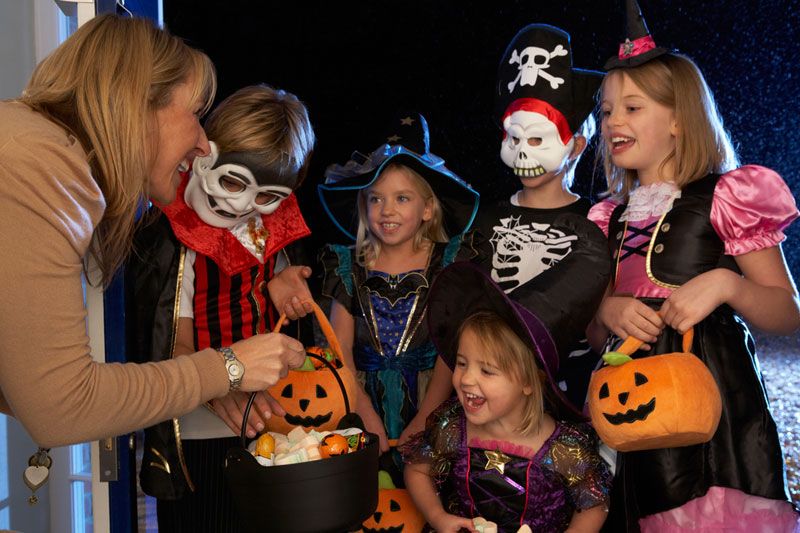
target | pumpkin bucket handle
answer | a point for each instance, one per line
(314, 356)
(333, 342)
(632, 344)
(324, 325)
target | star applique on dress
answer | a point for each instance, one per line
(496, 460)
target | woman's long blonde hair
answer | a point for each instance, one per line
(103, 85)
(368, 247)
(702, 145)
(513, 357)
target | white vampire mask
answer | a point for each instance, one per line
(224, 194)
(532, 145)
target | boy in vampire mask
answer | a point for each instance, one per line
(203, 278)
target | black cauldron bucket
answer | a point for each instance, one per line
(329, 495)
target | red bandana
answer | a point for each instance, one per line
(284, 226)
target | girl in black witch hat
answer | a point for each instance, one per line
(404, 234)
(510, 448)
(697, 244)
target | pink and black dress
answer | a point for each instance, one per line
(541, 489)
(662, 238)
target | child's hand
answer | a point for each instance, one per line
(372, 422)
(626, 316)
(415, 426)
(289, 291)
(230, 408)
(697, 298)
(448, 523)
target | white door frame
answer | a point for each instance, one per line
(51, 27)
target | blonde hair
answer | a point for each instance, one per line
(702, 145)
(513, 357)
(368, 247)
(104, 85)
(587, 131)
(269, 122)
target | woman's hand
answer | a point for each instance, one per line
(697, 298)
(267, 358)
(444, 522)
(289, 291)
(230, 409)
(625, 316)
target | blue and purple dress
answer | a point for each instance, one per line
(392, 351)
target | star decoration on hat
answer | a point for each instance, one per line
(407, 121)
(393, 138)
(496, 460)
(627, 47)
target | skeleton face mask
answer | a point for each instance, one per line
(532, 145)
(229, 193)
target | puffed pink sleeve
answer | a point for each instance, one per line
(600, 214)
(752, 206)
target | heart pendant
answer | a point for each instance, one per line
(35, 476)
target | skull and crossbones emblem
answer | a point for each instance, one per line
(534, 62)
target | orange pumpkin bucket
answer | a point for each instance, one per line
(661, 401)
(396, 510)
(309, 394)
(318, 496)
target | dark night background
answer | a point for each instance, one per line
(355, 63)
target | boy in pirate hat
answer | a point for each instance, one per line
(541, 248)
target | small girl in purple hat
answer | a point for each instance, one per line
(509, 449)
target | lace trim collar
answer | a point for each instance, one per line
(650, 201)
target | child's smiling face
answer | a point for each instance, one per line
(396, 208)
(638, 131)
(491, 397)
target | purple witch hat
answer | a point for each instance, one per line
(463, 289)
(639, 46)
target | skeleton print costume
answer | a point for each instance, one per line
(552, 261)
(550, 257)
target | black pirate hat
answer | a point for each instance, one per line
(537, 68)
(463, 289)
(639, 46)
(407, 143)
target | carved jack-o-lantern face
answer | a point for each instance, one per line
(396, 512)
(628, 413)
(654, 402)
(312, 397)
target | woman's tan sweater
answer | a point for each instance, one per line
(49, 207)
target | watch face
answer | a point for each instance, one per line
(235, 369)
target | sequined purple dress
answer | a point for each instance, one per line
(543, 491)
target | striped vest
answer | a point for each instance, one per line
(228, 309)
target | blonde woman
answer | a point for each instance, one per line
(106, 122)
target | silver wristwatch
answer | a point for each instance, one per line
(234, 367)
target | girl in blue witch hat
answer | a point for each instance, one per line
(406, 213)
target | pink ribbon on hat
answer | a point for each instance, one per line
(636, 47)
